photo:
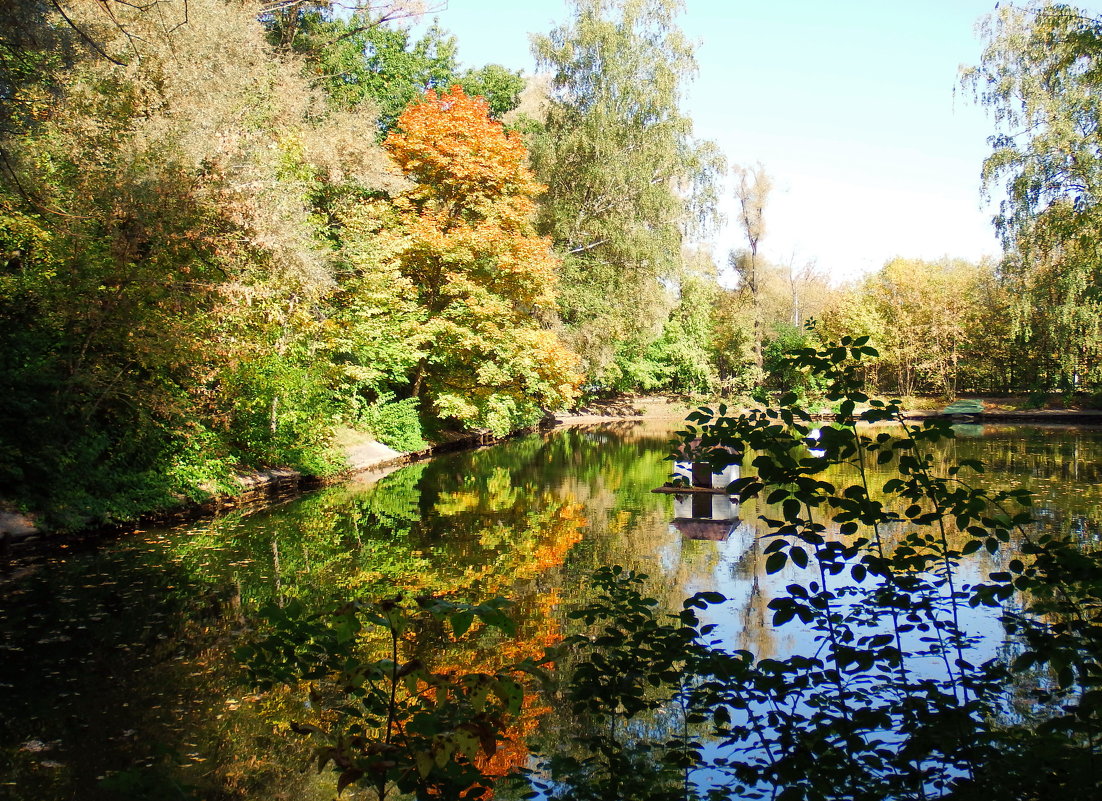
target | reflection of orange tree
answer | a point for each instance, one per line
(519, 555)
(539, 632)
(502, 537)
(450, 660)
(554, 531)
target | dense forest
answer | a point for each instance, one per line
(229, 228)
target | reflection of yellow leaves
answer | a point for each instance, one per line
(500, 493)
(492, 538)
(453, 503)
(548, 601)
(552, 552)
(619, 524)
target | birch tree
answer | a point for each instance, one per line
(1041, 75)
(614, 151)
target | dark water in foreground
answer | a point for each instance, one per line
(117, 675)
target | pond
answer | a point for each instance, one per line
(118, 675)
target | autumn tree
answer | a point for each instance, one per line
(620, 165)
(480, 273)
(927, 320)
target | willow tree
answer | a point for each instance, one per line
(619, 162)
(1041, 74)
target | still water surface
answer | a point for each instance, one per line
(117, 675)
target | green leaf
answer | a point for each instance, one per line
(776, 562)
(461, 622)
(467, 743)
(511, 694)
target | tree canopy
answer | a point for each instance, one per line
(1040, 75)
(481, 273)
(618, 159)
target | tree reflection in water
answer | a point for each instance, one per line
(118, 657)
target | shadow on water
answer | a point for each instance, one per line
(118, 679)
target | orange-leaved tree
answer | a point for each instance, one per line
(483, 276)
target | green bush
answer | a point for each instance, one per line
(782, 374)
(1035, 400)
(396, 424)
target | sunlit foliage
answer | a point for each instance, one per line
(480, 272)
(615, 152)
(1040, 75)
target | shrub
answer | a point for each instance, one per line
(396, 424)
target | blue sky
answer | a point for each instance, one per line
(853, 107)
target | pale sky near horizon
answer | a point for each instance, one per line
(854, 108)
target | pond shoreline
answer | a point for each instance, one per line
(368, 460)
(1043, 416)
(365, 459)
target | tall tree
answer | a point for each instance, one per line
(481, 273)
(356, 59)
(1041, 74)
(752, 187)
(619, 163)
(807, 288)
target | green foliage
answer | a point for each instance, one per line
(280, 412)
(1040, 74)
(358, 60)
(683, 358)
(631, 663)
(164, 308)
(782, 374)
(612, 149)
(501, 87)
(672, 363)
(394, 423)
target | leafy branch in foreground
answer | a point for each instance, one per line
(893, 696)
(389, 721)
